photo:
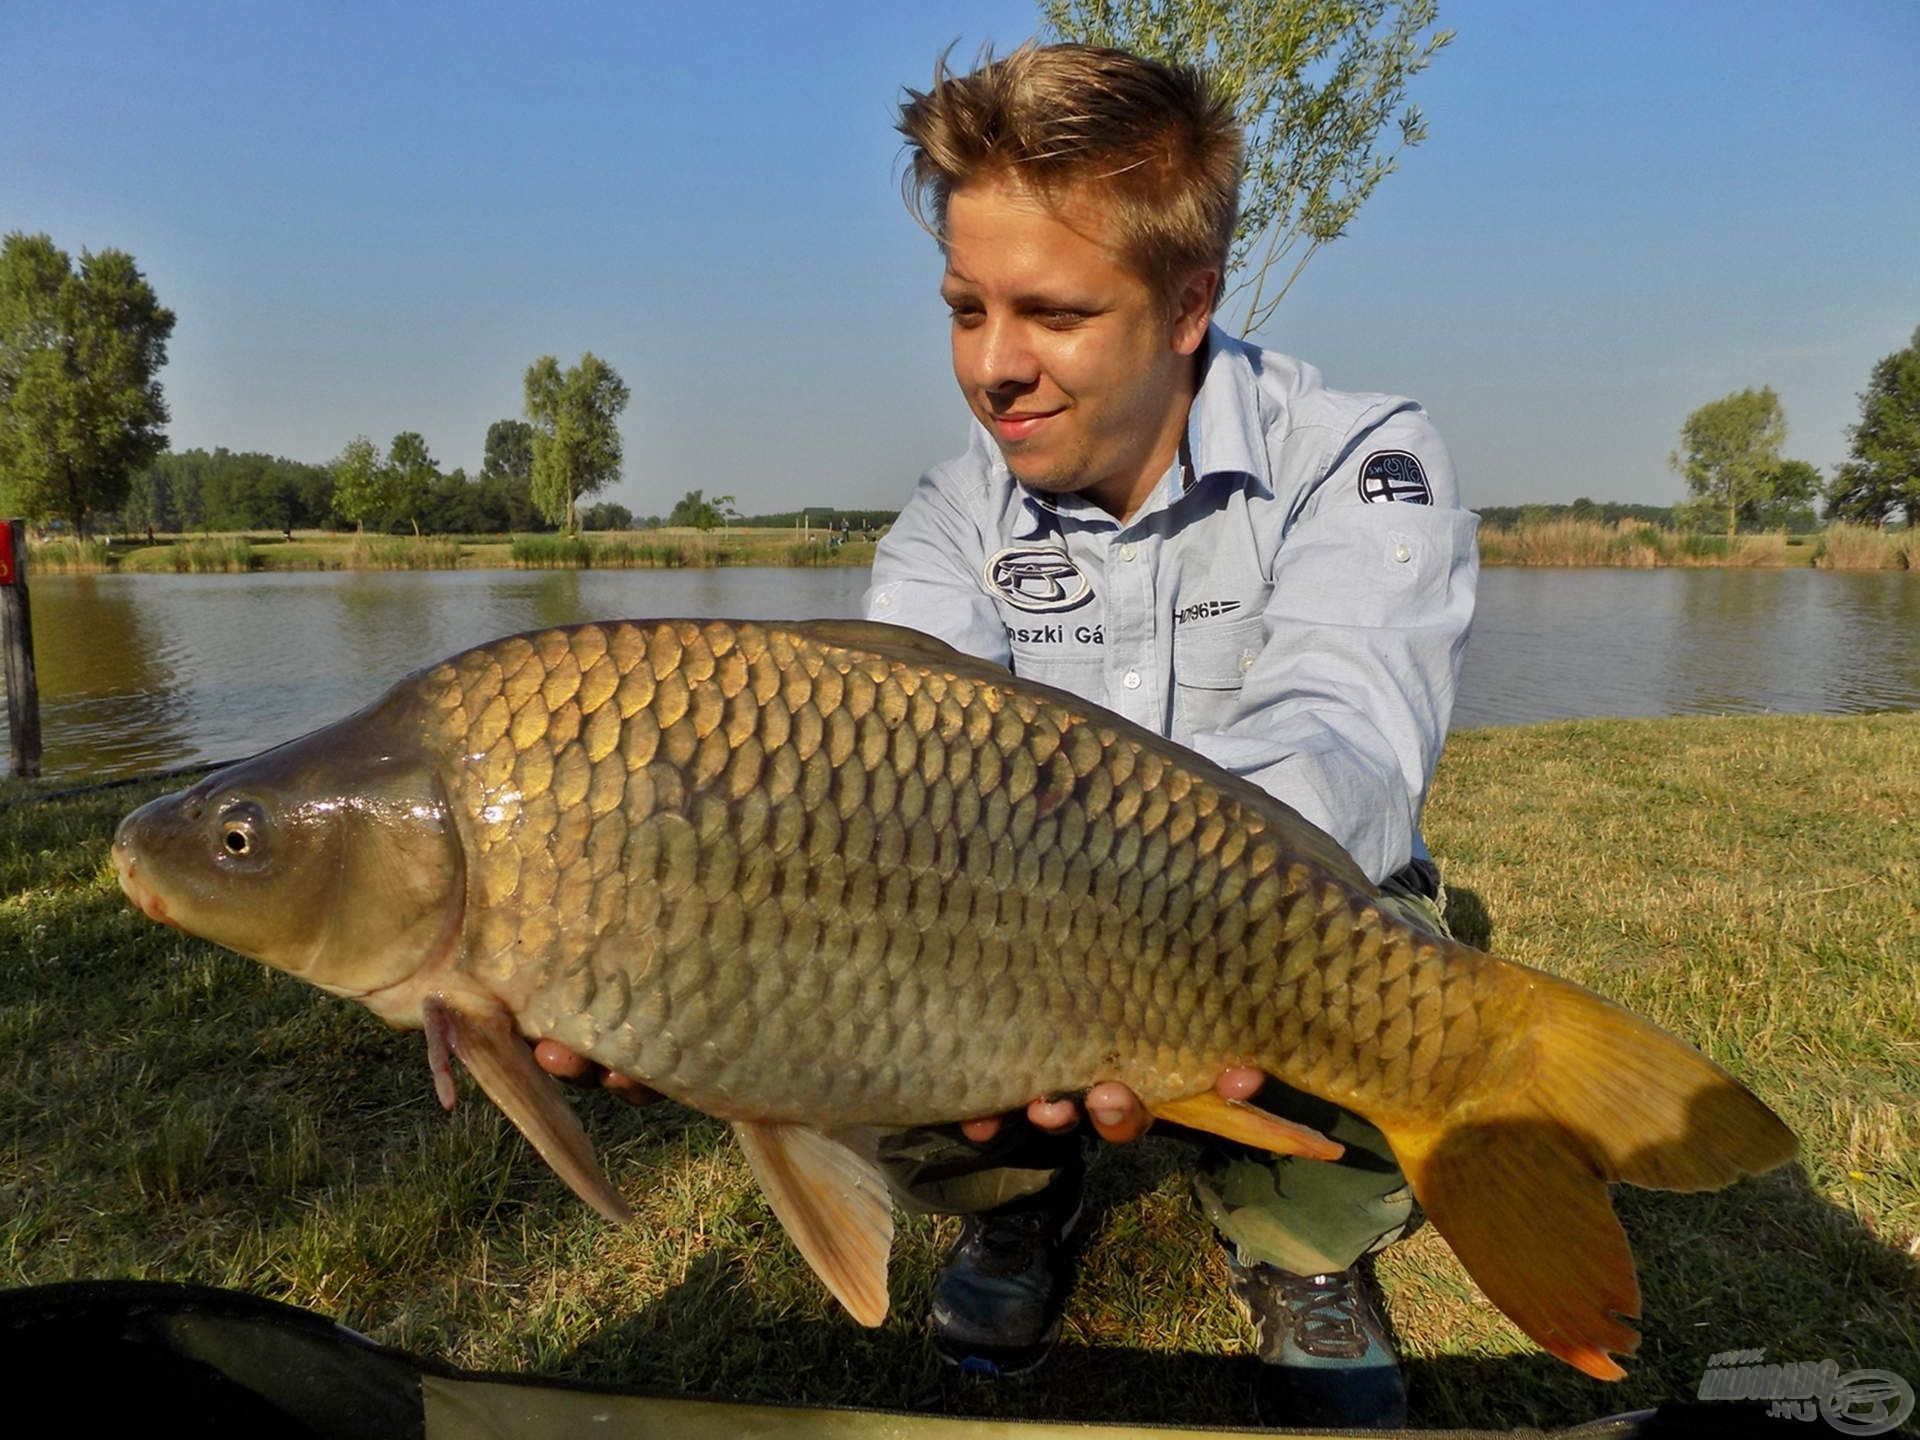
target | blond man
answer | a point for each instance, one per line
(1202, 537)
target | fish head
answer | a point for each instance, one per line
(334, 858)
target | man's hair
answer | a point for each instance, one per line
(1149, 142)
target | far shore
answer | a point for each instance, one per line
(311, 550)
(1560, 543)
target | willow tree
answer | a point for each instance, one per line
(576, 434)
(1314, 82)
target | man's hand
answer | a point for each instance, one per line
(1116, 1112)
(565, 1064)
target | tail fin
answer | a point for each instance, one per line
(1516, 1180)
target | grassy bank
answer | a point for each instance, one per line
(319, 550)
(169, 1111)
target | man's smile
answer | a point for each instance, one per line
(1021, 424)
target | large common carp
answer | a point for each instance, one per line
(826, 879)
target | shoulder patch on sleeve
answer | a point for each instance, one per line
(1394, 475)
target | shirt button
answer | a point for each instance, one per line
(1131, 679)
(881, 602)
(1126, 551)
(1402, 553)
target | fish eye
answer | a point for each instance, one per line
(240, 829)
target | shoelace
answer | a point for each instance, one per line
(1326, 1318)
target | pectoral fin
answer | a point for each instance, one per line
(500, 1060)
(1248, 1124)
(833, 1202)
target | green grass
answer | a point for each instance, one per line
(170, 1111)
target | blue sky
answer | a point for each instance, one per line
(372, 218)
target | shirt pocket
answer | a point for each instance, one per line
(1210, 664)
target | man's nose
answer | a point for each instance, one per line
(1004, 359)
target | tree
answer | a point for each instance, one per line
(414, 475)
(1883, 474)
(576, 436)
(1730, 452)
(80, 405)
(362, 483)
(1314, 82)
(607, 515)
(695, 510)
(1788, 505)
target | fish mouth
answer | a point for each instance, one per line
(143, 895)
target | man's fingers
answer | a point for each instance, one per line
(1116, 1112)
(1055, 1116)
(982, 1130)
(561, 1062)
(1242, 1082)
(628, 1088)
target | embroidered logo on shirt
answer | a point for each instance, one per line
(1394, 475)
(1037, 578)
(1204, 610)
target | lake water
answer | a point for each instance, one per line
(143, 672)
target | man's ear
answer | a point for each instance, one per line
(1193, 309)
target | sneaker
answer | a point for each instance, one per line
(999, 1294)
(1325, 1356)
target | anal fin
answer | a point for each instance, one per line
(1248, 1124)
(499, 1059)
(834, 1204)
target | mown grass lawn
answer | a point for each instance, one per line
(168, 1111)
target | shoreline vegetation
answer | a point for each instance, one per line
(320, 550)
(180, 1113)
(1558, 542)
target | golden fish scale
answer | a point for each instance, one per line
(780, 878)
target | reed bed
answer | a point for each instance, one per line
(1867, 547)
(552, 552)
(401, 552)
(68, 557)
(1629, 544)
(213, 555)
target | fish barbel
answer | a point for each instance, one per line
(831, 878)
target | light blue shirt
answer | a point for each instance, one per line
(1292, 600)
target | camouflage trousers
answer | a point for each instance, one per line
(1306, 1217)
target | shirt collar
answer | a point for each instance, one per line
(1224, 438)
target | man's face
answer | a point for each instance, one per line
(1079, 371)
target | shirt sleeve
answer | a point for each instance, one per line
(1343, 711)
(927, 575)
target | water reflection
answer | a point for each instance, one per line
(142, 672)
(1563, 643)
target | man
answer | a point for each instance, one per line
(1200, 536)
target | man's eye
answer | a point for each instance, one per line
(1062, 319)
(964, 314)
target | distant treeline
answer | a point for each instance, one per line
(228, 490)
(201, 490)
